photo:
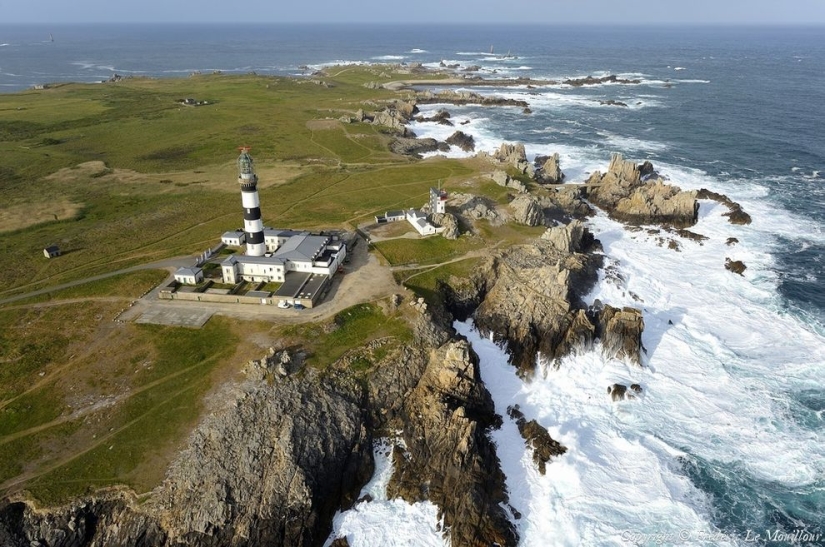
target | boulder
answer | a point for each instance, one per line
(620, 332)
(550, 170)
(462, 140)
(735, 266)
(527, 210)
(510, 154)
(566, 238)
(447, 221)
(537, 437)
(413, 147)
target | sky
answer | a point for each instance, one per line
(746, 12)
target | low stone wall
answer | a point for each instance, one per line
(229, 299)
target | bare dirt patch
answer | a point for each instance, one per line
(22, 216)
(320, 125)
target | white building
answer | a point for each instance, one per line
(189, 276)
(301, 252)
(438, 201)
(418, 220)
(234, 239)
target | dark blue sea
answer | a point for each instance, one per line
(735, 362)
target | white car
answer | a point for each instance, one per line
(283, 304)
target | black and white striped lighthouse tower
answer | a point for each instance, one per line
(252, 224)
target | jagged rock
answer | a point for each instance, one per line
(389, 118)
(620, 332)
(449, 457)
(568, 238)
(623, 194)
(476, 207)
(448, 222)
(340, 542)
(590, 80)
(612, 102)
(511, 154)
(413, 147)
(550, 169)
(441, 117)
(636, 388)
(527, 210)
(731, 241)
(617, 391)
(373, 85)
(460, 97)
(462, 140)
(735, 214)
(735, 266)
(543, 445)
(503, 179)
(526, 297)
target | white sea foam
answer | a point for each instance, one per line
(389, 57)
(390, 523)
(722, 360)
(416, 50)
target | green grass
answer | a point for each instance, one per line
(429, 250)
(128, 286)
(424, 282)
(159, 378)
(354, 327)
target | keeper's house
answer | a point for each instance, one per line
(292, 252)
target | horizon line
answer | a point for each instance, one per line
(627, 24)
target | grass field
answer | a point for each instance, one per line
(121, 174)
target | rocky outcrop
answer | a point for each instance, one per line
(111, 518)
(735, 266)
(613, 102)
(503, 179)
(620, 332)
(527, 210)
(512, 154)
(462, 140)
(450, 96)
(527, 297)
(566, 239)
(448, 222)
(626, 197)
(441, 117)
(590, 80)
(543, 445)
(449, 458)
(618, 392)
(735, 214)
(549, 171)
(476, 208)
(413, 147)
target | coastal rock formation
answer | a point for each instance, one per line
(503, 179)
(549, 169)
(462, 140)
(527, 210)
(735, 214)
(449, 458)
(620, 331)
(449, 96)
(590, 80)
(566, 239)
(413, 147)
(543, 445)
(476, 208)
(441, 117)
(626, 197)
(735, 266)
(618, 392)
(512, 154)
(448, 222)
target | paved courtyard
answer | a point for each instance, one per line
(178, 317)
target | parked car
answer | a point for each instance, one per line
(283, 304)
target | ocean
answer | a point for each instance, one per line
(725, 446)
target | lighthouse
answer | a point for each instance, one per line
(252, 224)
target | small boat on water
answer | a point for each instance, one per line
(51, 38)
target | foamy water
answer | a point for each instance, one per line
(384, 522)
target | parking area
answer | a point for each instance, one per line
(176, 317)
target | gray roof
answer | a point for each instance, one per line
(244, 259)
(233, 234)
(399, 213)
(188, 271)
(301, 247)
(270, 232)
